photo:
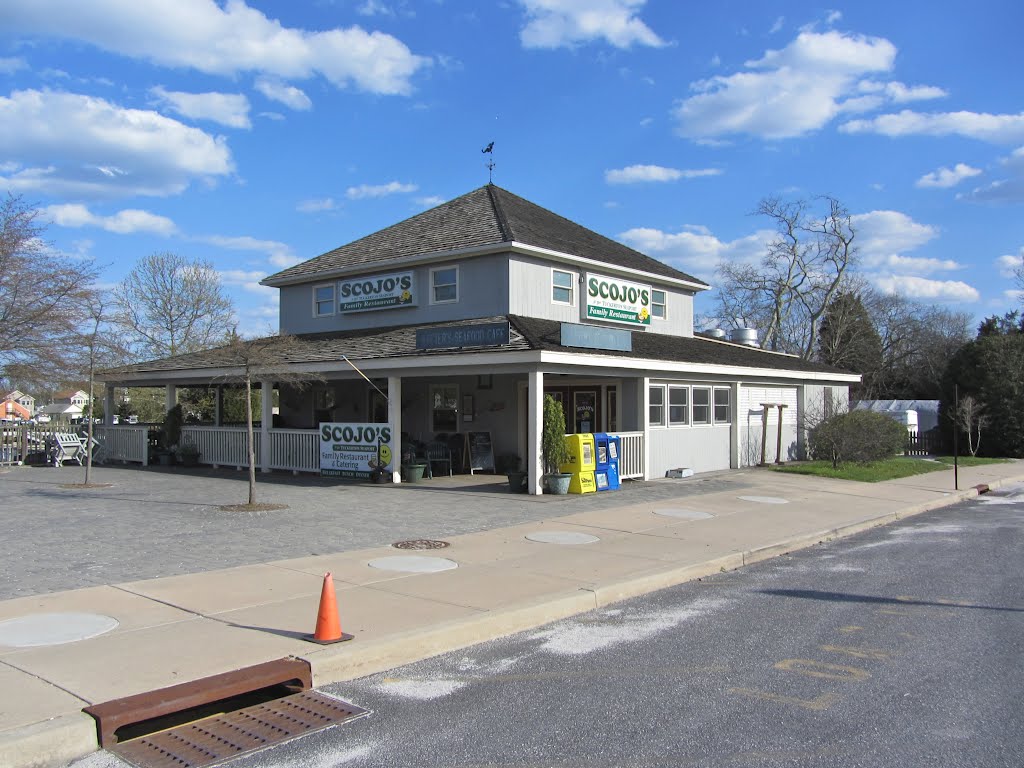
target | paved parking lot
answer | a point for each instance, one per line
(153, 522)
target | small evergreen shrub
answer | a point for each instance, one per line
(859, 437)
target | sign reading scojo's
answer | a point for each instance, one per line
(617, 301)
(354, 450)
(360, 294)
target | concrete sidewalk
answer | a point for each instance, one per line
(180, 628)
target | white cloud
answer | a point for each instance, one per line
(230, 109)
(1007, 189)
(566, 23)
(430, 201)
(695, 250)
(279, 254)
(9, 65)
(786, 92)
(76, 145)
(944, 178)
(123, 222)
(316, 205)
(246, 280)
(777, 26)
(635, 174)
(881, 234)
(901, 93)
(280, 91)
(998, 129)
(227, 40)
(833, 17)
(379, 190)
(928, 290)
(1007, 264)
(920, 265)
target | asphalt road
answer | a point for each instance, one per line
(902, 646)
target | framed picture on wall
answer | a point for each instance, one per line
(484, 381)
(467, 407)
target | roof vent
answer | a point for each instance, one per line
(747, 336)
(715, 333)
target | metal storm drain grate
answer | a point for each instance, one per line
(421, 544)
(218, 738)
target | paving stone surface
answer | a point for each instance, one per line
(155, 522)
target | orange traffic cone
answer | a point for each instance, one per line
(328, 627)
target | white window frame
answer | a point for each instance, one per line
(660, 422)
(663, 304)
(694, 406)
(715, 405)
(571, 288)
(434, 286)
(685, 422)
(333, 300)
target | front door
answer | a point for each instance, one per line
(584, 409)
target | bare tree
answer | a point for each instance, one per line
(256, 360)
(786, 294)
(168, 305)
(971, 420)
(41, 295)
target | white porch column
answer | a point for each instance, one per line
(645, 420)
(734, 431)
(266, 418)
(170, 397)
(108, 405)
(535, 426)
(395, 420)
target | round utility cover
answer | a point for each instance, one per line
(764, 499)
(413, 564)
(562, 537)
(684, 514)
(53, 628)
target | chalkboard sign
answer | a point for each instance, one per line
(479, 452)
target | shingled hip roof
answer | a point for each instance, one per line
(486, 217)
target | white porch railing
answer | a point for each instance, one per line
(631, 460)
(123, 443)
(223, 446)
(295, 449)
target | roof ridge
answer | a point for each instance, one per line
(499, 213)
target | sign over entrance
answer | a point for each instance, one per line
(354, 450)
(617, 301)
(361, 294)
(478, 335)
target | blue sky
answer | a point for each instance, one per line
(261, 133)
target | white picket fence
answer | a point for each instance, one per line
(631, 460)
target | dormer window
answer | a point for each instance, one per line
(562, 287)
(444, 285)
(323, 300)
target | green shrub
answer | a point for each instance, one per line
(858, 436)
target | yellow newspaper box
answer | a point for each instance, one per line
(581, 464)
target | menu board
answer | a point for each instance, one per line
(479, 452)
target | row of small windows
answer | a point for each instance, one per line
(444, 289)
(563, 289)
(680, 406)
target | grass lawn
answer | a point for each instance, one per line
(890, 469)
(970, 461)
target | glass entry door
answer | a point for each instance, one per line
(584, 408)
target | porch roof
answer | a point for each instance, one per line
(325, 351)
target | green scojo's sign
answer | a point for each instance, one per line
(354, 450)
(618, 301)
(376, 292)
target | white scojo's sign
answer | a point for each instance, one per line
(617, 301)
(354, 450)
(359, 294)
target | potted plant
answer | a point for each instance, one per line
(171, 435)
(511, 465)
(553, 447)
(188, 454)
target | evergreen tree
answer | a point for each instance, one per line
(848, 339)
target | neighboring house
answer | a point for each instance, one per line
(66, 406)
(17, 406)
(467, 314)
(917, 415)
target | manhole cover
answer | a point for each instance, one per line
(421, 544)
(562, 537)
(218, 738)
(763, 499)
(41, 629)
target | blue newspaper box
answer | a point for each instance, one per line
(602, 455)
(614, 453)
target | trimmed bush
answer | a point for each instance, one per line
(859, 437)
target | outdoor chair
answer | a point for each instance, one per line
(438, 453)
(67, 447)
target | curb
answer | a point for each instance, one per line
(73, 736)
